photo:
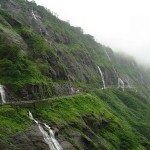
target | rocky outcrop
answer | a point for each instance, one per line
(32, 139)
(42, 57)
(71, 136)
(110, 76)
(65, 53)
(77, 65)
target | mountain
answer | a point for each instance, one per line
(76, 88)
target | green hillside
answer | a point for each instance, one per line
(59, 73)
(103, 119)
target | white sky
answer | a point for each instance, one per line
(123, 25)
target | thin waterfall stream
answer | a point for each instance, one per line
(2, 93)
(34, 16)
(120, 83)
(102, 76)
(49, 138)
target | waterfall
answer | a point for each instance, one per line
(120, 83)
(116, 74)
(127, 84)
(108, 56)
(41, 32)
(34, 16)
(55, 142)
(102, 76)
(2, 92)
(72, 91)
(47, 33)
(49, 138)
(114, 70)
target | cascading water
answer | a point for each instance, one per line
(127, 84)
(34, 16)
(102, 76)
(120, 83)
(72, 90)
(107, 55)
(54, 141)
(116, 74)
(41, 31)
(47, 33)
(2, 92)
(48, 138)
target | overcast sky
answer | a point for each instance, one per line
(123, 25)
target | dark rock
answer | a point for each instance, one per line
(67, 146)
(4, 22)
(61, 89)
(105, 121)
(28, 92)
(61, 39)
(31, 139)
(147, 145)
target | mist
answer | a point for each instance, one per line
(123, 25)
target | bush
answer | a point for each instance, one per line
(9, 51)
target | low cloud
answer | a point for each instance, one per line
(122, 25)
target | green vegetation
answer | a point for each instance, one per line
(47, 50)
(111, 105)
(108, 116)
(41, 55)
(13, 119)
(16, 68)
(75, 106)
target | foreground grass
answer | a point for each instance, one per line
(120, 120)
(12, 120)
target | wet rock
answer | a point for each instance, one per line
(105, 121)
(28, 92)
(4, 22)
(61, 39)
(67, 146)
(61, 89)
(6, 146)
(31, 139)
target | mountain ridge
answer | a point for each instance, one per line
(44, 57)
(62, 44)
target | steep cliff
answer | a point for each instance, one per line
(99, 120)
(41, 56)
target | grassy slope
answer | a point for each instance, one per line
(36, 65)
(126, 113)
(38, 48)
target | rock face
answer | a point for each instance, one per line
(32, 139)
(85, 121)
(110, 77)
(71, 136)
(64, 58)
(58, 52)
(42, 56)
